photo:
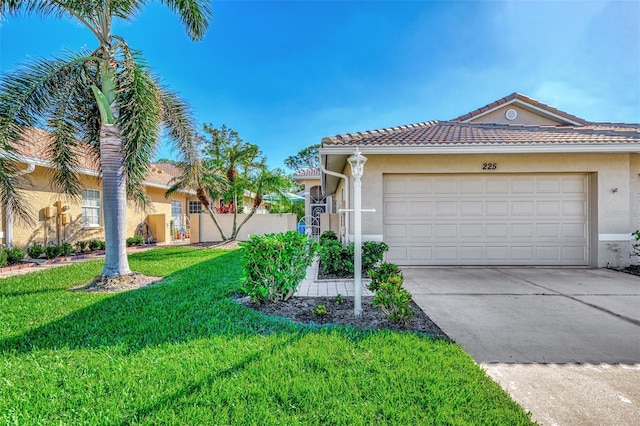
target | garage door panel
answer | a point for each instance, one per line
(574, 208)
(522, 208)
(446, 208)
(522, 186)
(421, 208)
(497, 208)
(510, 219)
(548, 185)
(548, 208)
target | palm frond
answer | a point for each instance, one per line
(194, 14)
(138, 104)
(47, 93)
(178, 120)
(9, 184)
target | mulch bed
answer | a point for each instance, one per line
(302, 310)
(633, 270)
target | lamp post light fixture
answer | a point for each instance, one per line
(356, 161)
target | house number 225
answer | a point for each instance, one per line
(489, 166)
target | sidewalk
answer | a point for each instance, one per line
(311, 287)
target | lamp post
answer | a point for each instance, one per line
(356, 161)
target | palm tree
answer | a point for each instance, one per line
(105, 99)
(209, 184)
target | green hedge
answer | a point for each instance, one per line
(274, 265)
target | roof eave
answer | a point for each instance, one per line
(483, 149)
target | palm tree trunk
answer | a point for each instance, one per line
(215, 221)
(114, 196)
(236, 231)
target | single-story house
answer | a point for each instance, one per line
(59, 218)
(516, 182)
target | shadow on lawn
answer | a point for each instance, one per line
(189, 304)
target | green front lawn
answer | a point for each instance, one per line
(183, 352)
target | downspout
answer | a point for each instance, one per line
(9, 237)
(346, 192)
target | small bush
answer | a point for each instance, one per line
(80, 246)
(393, 299)
(14, 255)
(94, 245)
(67, 249)
(339, 300)
(53, 251)
(334, 258)
(327, 236)
(3, 258)
(35, 251)
(372, 254)
(274, 264)
(135, 241)
(381, 274)
(337, 259)
(320, 310)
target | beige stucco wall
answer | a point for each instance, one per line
(525, 117)
(614, 214)
(203, 228)
(38, 194)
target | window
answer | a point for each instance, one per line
(91, 207)
(176, 213)
(195, 207)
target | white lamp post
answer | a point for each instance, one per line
(356, 161)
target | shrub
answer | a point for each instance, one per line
(393, 299)
(382, 274)
(135, 241)
(320, 310)
(274, 265)
(94, 245)
(334, 258)
(337, 259)
(327, 236)
(53, 251)
(339, 300)
(14, 255)
(3, 258)
(372, 254)
(35, 251)
(66, 249)
(80, 246)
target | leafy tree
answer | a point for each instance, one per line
(105, 99)
(306, 158)
(227, 168)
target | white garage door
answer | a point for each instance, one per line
(505, 219)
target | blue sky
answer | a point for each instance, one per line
(286, 74)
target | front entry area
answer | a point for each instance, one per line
(480, 219)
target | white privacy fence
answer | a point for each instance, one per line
(204, 230)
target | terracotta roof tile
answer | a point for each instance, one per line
(454, 133)
(306, 173)
(34, 143)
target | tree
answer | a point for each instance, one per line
(227, 168)
(306, 158)
(106, 99)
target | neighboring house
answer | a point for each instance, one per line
(59, 218)
(516, 182)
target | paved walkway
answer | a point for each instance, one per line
(310, 287)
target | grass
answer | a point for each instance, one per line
(183, 352)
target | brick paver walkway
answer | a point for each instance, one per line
(310, 287)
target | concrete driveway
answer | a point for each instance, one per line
(534, 315)
(564, 343)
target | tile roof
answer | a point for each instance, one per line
(454, 133)
(34, 146)
(307, 173)
(526, 100)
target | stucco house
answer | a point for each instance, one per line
(59, 218)
(516, 182)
